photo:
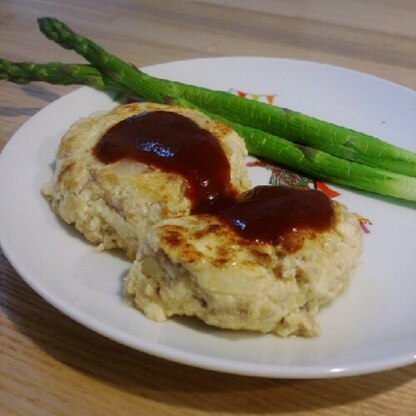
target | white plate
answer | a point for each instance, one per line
(371, 328)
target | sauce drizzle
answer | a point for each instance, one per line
(175, 143)
(270, 213)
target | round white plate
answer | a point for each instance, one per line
(371, 328)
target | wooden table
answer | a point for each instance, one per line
(50, 365)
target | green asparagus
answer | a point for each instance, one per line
(297, 127)
(58, 73)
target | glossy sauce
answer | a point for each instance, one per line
(172, 143)
(175, 143)
(269, 213)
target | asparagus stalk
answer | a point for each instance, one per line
(57, 73)
(324, 166)
(297, 127)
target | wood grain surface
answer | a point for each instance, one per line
(50, 365)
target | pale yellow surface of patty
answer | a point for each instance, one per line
(198, 266)
(113, 205)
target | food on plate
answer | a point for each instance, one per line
(168, 185)
(112, 198)
(265, 262)
(312, 146)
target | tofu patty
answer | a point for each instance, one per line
(198, 266)
(113, 204)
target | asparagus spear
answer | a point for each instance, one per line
(58, 73)
(297, 127)
(324, 166)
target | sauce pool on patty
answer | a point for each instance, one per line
(175, 143)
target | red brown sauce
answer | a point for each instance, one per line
(270, 213)
(172, 143)
(175, 143)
